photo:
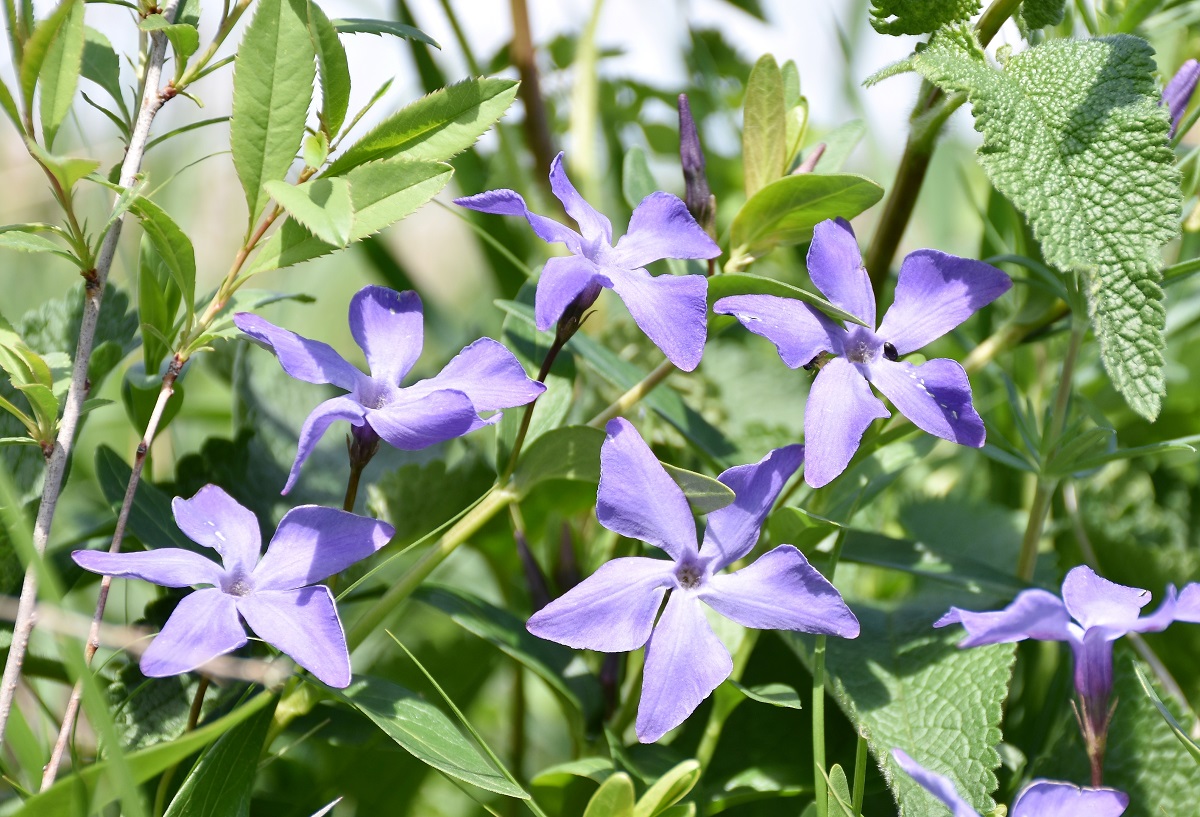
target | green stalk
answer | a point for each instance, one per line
(860, 775)
(820, 783)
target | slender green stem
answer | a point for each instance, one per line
(527, 417)
(630, 398)
(164, 784)
(860, 775)
(722, 706)
(1181, 271)
(356, 469)
(820, 784)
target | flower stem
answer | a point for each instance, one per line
(1044, 493)
(56, 466)
(630, 398)
(820, 784)
(557, 346)
(164, 784)
(860, 775)
(356, 469)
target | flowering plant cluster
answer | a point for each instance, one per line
(585, 554)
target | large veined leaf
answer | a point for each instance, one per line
(764, 129)
(904, 684)
(1074, 136)
(272, 88)
(919, 16)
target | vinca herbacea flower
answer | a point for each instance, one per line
(388, 326)
(275, 595)
(934, 294)
(1092, 613)
(614, 609)
(1041, 798)
(1179, 90)
(670, 309)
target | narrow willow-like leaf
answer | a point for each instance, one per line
(60, 73)
(1184, 738)
(704, 493)
(775, 694)
(37, 48)
(24, 241)
(362, 25)
(322, 205)
(764, 126)
(333, 69)
(173, 246)
(101, 64)
(272, 89)
(435, 127)
(1074, 136)
(919, 16)
(184, 38)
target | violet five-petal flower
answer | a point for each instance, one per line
(1092, 613)
(1179, 90)
(614, 609)
(1041, 798)
(388, 326)
(670, 309)
(275, 595)
(935, 293)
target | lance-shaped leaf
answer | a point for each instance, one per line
(335, 73)
(323, 206)
(173, 246)
(37, 48)
(363, 25)
(764, 129)
(60, 73)
(272, 88)
(1074, 136)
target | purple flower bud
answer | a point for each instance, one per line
(1178, 92)
(700, 201)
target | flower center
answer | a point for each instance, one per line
(238, 587)
(373, 394)
(862, 345)
(689, 576)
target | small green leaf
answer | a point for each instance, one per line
(668, 789)
(66, 169)
(1184, 738)
(158, 302)
(334, 72)
(272, 89)
(381, 193)
(37, 48)
(60, 73)
(746, 283)
(703, 493)
(14, 238)
(220, 783)
(360, 25)
(785, 212)
(16, 440)
(173, 247)
(839, 791)
(424, 731)
(598, 769)
(614, 798)
(776, 694)
(436, 127)
(920, 16)
(315, 150)
(185, 39)
(322, 205)
(1043, 13)
(570, 452)
(101, 64)
(764, 127)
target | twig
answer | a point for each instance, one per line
(630, 398)
(56, 465)
(537, 122)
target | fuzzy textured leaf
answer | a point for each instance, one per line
(1042, 13)
(919, 16)
(1074, 136)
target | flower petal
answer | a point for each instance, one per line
(309, 360)
(389, 327)
(936, 396)
(1188, 605)
(612, 610)
(938, 785)
(204, 625)
(426, 420)
(488, 374)
(563, 279)
(1094, 601)
(799, 332)
(215, 519)
(1050, 798)
(685, 662)
(781, 591)
(1179, 90)
(593, 225)
(1167, 613)
(637, 498)
(312, 543)
(304, 625)
(1094, 671)
(662, 227)
(168, 567)
(671, 309)
(506, 202)
(733, 531)
(836, 268)
(840, 407)
(1032, 614)
(935, 293)
(315, 426)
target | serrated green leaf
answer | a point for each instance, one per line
(272, 89)
(785, 212)
(1184, 738)
(315, 150)
(173, 247)
(614, 798)
(919, 16)
(185, 39)
(775, 694)
(704, 493)
(101, 64)
(570, 452)
(940, 704)
(322, 205)
(37, 48)
(381, 193)
(436, 127)
(424, 731)
(23, 241)
(220, 783)
(333, 70)
(361, 25)
(668, 790)
(747, 283)
(60, 73)
(1075, 137)
(764, 126)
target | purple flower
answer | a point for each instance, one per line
(670, 309)
(1178, 92)
(1092, 613)
(272, 594)
(935, 293)
(1041, 798)
(387, 325)
(614, 609)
